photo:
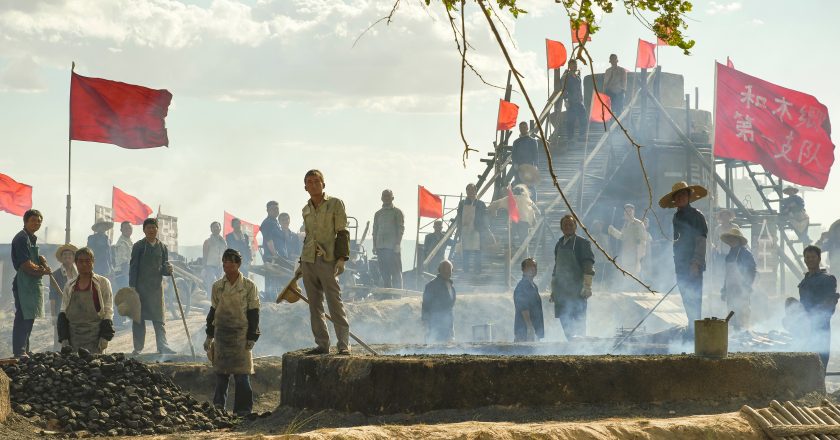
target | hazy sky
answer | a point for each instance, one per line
(264, 90)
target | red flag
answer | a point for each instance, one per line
(428, 204)
(661, 42)
(513, 209)
(729, 63)
(248, 229)
(508, 112)
(117, 113)
(128, 208)
(784, 130)
(582, 31)
(555, 54)
(600, 112)
(645, 55)
(15, 198)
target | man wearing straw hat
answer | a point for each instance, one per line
(66, 255)
(738, 281)
(690, 233)
(792, 210)
(100, 244)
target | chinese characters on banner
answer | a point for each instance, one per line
(168, 231)
(784, 130)
(104, 213)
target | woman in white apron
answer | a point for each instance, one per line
(87, 312)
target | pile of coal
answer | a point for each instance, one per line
(106, 395)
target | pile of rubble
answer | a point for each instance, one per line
(106, 395)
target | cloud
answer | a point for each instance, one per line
(723, 8)
(757, 22)
(21, 75)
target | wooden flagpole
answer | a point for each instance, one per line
(417, 269)
(69, 157)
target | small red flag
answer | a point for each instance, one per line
(117, 113)
(729, 63)
(428, 204)
(508, 112)
(555, 54)
(128, 208)
(15, 198)
(248, 229)
(661, 42)
(513, 209)
(645, 55)
(600, 112)
(582, 31)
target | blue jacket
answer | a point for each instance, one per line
(818, 292)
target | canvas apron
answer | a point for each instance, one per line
(470, 236)
(84, 320)
(567, 279)
(230, 356)
(30, 297)
(737, 294)
(150, 282)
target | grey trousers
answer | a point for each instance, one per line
(138, 332)
(319, 281)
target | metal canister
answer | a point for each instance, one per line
(711, 337)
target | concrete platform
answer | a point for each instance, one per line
(419, 383)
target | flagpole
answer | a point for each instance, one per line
(417, 269)
(508, 268)
(69, 156)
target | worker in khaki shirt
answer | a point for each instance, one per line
(388, 229)
(615, 85)
(325, 249)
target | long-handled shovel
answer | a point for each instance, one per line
(183, 319)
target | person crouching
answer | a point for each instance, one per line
(232, 330)
(87, 312)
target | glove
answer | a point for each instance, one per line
(249, 344)
(339, 267)
(65, 343)
(207, 341)
(586, 292)
(103, 344)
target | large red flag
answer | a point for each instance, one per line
(645, 55)
(128, 208)
(508, 112)
(15, 198)
(513, 209)
(600, 112)
(428, 204)
(117, 113)
(248, 229)
(784, 130)
(582, 31)
(555, 54)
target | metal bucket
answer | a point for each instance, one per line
(482, 333)
(711, 337)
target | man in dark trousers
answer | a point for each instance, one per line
(524, 152)
(571, 281)
(431, 240)
(528, 322)
(26, 286)
(438, 302)
(149, 264)
(690, 232)
(472, 222)
(573, 97)
(100, 244)
(240, 242)
(388, 229)
(289, 242)
(818, 295)
(738, 278)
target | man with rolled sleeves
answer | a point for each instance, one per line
(325, 250)
(388, 229)
(26, 285)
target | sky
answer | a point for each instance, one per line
(265, 90)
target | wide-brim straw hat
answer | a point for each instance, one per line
(127, 303)
(726, 214)
(103, 225)
(732, 236)
(697, 192)
(790, 190)
(529, 174)
(65, 247)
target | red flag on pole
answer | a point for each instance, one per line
(784, 130)
(661, 42)
(117, 113)
(128, 208)
(15, 198)
(555, 54)
(428, 205)
(729, 63)
(513, 209)
(645, 55)
(508, 112)
(249, 229)
(600, 112)
(580, 33)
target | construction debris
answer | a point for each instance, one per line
(790, 421)
(106, 395)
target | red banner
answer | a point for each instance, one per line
(428, 204)
(508, 112)
(645, 55)
(555, 54)
(600, 109)
(117, 113)
(582, 31)
(248, 229)
(128, 208)
(513, 209)
(729, 63)
(784, 130)
(15, 198)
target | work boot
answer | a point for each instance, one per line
(318, 350)
(344, 352)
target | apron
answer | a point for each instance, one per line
(470, 237)
(84, 320)
(229, 353)
(567, 280)
(150, 282)
(29, 288)
(737, 294)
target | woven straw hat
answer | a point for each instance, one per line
(697, 193)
